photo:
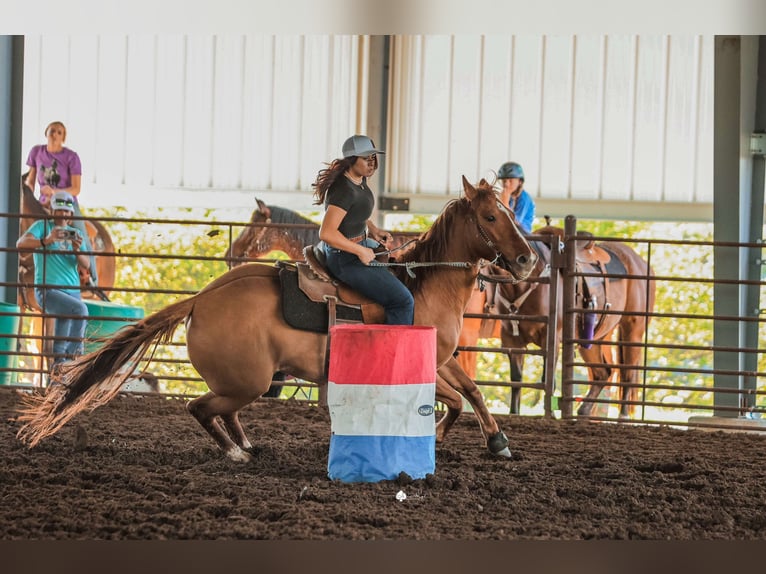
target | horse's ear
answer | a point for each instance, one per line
(470, 191)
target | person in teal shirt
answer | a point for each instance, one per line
(57, 255)
(511, 176)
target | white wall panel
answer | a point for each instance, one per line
(649, 135)
(619, 89)
(465, 111)
(556, 120)
(587, 138)
(159, 115)
(495, 110)
(526, 107)
(432, 158)
(140, 111)
(593, 119)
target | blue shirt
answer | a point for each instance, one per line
(57, 268)
(524, 210)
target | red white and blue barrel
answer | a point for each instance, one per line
(381, 393)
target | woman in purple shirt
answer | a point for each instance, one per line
(52, 168)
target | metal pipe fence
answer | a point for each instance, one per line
(676, 380)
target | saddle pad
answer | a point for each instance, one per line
(302, 313)
(614, 266)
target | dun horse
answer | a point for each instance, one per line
(622, 295)
(237, 352)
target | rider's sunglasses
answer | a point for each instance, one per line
(371, 158)
(63, 203)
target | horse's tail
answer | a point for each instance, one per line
(94, 379)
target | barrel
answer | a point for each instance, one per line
(105, 319)
(9, 329)
(381, 393)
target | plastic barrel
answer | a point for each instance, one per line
(9, 328)
(381, 392)
(99, 322)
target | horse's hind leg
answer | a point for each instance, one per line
(599, 377)
(207, 408)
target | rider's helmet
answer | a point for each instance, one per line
(510, 169)
(62, 200)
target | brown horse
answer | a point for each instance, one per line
(101, 242)
(624, 295)
(237, 352)
(274, 228)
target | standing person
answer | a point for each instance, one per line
(53, 168)
(511, 177)
(57, 282)
(349, 236)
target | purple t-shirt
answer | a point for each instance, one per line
(54, 168)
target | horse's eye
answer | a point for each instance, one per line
(490, 218)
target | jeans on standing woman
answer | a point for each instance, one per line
(376, 283)
(68, 332)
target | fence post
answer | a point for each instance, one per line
(568, 319)
(554, 307)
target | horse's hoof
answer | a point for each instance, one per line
(238, 455)
(498, 445)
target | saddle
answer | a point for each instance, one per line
(315, 301)
(592, 292)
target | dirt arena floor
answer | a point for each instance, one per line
(141, 468)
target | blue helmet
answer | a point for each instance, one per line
(510, 169)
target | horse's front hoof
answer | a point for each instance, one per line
(238, 455)
(498, 445)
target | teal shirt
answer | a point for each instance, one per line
(55, 268)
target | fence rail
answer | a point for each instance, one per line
(676, 382)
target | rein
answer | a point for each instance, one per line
(411, 264)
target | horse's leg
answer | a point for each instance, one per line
(631, 330)
(209, 406)
(517, 369)
(454, 403)
(453, 374)
(599, 377)
(235, 430)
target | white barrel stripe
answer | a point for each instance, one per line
(382, 410)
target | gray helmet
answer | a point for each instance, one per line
(510, 169)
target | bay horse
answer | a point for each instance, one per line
(236, 336)
(292, 232)
(624, 295)
(101, 243)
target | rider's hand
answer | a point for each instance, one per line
(46, 192)
(366, 255)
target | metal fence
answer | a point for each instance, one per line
(676, 383)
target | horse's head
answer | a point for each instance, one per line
(497, 238)
(262, 213)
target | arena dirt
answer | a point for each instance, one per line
(142, 468)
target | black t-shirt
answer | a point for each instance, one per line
(356, 200)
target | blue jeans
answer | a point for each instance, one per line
(376, 283)
(57, 302)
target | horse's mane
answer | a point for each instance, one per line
(307, 235)
(284, 215)
(433, 244)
